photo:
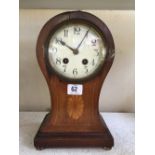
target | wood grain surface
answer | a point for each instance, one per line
(74, 120)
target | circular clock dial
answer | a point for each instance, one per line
(76, 51)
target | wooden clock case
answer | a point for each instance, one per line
(74, 120)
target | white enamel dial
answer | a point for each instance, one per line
(76, 51)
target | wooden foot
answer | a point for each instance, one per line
(73, 139)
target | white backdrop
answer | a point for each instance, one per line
(117, 94)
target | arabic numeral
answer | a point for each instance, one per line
(75, 72)
(64, 66)
(65, 33)
(97, 52)
(58, 40)
(93, 62)
(93, 41)
(58, 61)
(86, 69)
(77, 30)
(54, 49)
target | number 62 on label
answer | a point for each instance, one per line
(74, 89)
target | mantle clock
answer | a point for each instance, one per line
(75, 51)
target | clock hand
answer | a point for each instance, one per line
(75, 51)
(82, 39)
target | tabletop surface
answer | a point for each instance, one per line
(121, 125)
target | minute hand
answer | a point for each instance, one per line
(82, 39)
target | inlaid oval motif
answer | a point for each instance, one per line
(75, 106)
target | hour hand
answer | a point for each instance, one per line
(72, 49)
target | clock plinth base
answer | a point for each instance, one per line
(44, 140)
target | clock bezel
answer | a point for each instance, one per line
(85, 19)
